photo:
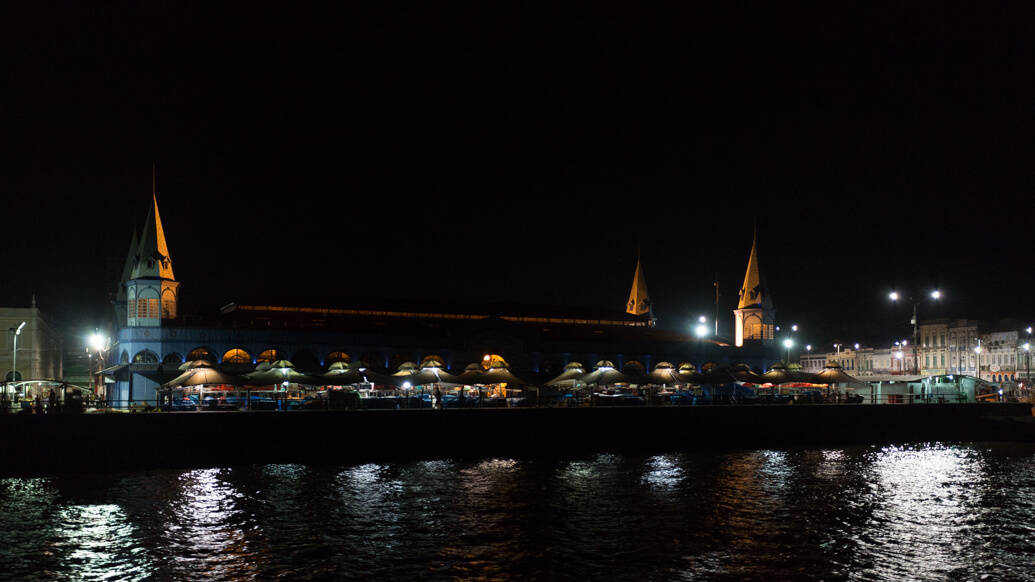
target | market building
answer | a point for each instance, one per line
(155, 335)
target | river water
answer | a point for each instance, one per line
(931, 512)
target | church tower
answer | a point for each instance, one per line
(152, 292)
(755, 317)
(639, 302)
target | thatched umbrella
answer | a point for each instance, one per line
(473, 374)
(192, 364)
(207, 377)
(428, 376)
(833, 375)
(776, 375)
(275, 376)
(665, 373)
(499, 374)
(604, 374)
(343, 374)
(570, 377)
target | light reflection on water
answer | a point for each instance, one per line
(926, 512)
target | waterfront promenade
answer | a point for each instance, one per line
(89, 442)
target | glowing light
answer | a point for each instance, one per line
(1026, 346)
(702, 319)
(97, 341)
(794, 327)
(893, 296)
(856, 346)
(701, 330)
(407, 386)
(808, 348)
(936, 294)
(787, 343)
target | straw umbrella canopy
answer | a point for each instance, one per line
(427, 376)
(832, 375)
(192, 364)
(571, 375)
(472, 374)
(343, 374)
(776, 375)
(605, 374)
(207, 377)
(665, 373)
(275, 376)
(499, 374)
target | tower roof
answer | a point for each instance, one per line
(127, 267)
(754, 292)
(639, 301)
(152, 256)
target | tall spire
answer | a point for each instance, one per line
(152, 256)
(639, 301)
(753, 293)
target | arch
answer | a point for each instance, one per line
(433, 361)
(493, 361)
(687, 368)
(168, 304)
(337, 356)
(634, 367)
(237, 356)
(173, 358)
(305, 360)
(268, 355)
(145, 357)
(399, 359)
(124, 358)
(13, 376)
(372, 360)
(202, 353)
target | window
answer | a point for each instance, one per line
(237, 356)
(145, 357)
(943, 359)
(269, 355)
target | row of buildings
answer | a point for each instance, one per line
(995, 352)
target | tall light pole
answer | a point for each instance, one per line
(894, 296)
(977, 368)
(701, 330)
(99, 344)
(14, 352)
(787, 343)
(1027, 352)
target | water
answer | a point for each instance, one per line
(930, 512)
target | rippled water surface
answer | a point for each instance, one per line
(932, 513)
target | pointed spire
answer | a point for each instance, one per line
(152, 256)
(753, 292)
(639, 301)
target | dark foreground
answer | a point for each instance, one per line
(52, 443)
(917, 512)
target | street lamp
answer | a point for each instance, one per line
(977, 351)
(1027, 354)
(787, 343)
(894, 296)
(99, 344)
(701, 330)
(14, 354)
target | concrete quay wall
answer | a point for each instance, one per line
(106, 442)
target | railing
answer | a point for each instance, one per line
(347, 400)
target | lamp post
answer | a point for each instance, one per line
(977, 367)
(99, 344)
(787, 343)
(1027, 353)
(894, 296)
(701, 330)
(14, 352)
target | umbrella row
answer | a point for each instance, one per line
(203, 373)
(664, 373)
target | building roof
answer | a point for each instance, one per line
(754, 292)
(639, 301)
(152, 256)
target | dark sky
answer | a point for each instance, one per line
(522, 155)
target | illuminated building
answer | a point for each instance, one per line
(156, 334)
(755, 318)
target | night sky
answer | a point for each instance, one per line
(521, 156)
